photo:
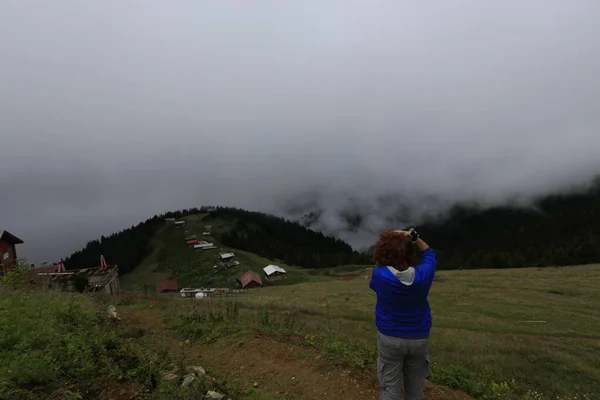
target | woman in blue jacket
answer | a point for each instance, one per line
(402, 312)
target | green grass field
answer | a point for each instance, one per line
(521, 334)
(64, 346)
(498, 334)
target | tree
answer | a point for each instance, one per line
(558, 230)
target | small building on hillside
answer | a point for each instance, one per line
(196, 293)
(188, 292)
(192, 237)
(8, 251)
(170, 221)
(250, 279)
(231, 264)
(274, 273)
(228, 260)
(168, 285)
(179, 223)
(201, 246)
(220, 291)
(191, 243)
(224, 257)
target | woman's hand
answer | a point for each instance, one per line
(410, 232)
(421, 245)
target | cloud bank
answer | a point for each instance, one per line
(113, 111)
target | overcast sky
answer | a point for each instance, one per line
(113, 111)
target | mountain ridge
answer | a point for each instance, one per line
(558, 229)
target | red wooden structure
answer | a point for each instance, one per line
(168, 285)
(250, 280)
(8, 251)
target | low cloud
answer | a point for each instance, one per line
(114, 111)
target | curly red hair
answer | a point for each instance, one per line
(394, 249)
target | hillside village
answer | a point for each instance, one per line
(224, 261)
(106, 277)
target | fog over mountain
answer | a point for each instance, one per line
(112, 111)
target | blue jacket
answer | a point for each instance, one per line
(403, 310)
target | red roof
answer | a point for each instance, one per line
(168, 284)
(190, 237)
(192, 241)
(250, 276)
(8, 237)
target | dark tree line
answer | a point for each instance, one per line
(557, 230)
(126, 248)
(276, 238)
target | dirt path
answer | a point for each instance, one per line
(277, 364)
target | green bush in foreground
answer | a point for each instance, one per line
(46, 341)
(52, 341)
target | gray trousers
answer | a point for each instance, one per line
(402, 361)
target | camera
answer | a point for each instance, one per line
(412, 231)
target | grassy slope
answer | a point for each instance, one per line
(146, 272)
(172, 258)
(480, 342)
(63, 346)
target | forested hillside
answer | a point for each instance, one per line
(265, 235)
(276, 238)
(126, 248)
(557, 230)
